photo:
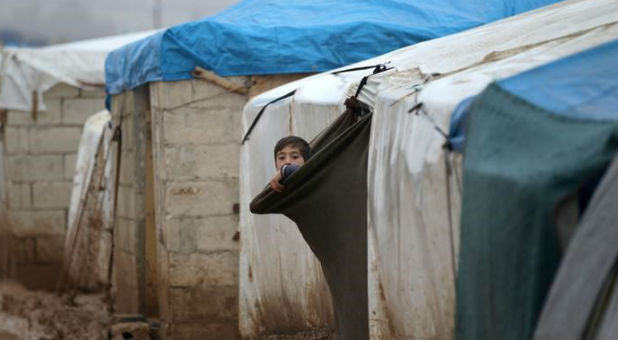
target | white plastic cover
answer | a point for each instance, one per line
(80, 64)
(96, 139)
(414, 186)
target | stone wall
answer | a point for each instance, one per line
(39, 164)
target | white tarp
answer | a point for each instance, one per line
(413, 202)
(88, 239)
(80, 64)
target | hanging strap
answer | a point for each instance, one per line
(376, 69)
(289, 94)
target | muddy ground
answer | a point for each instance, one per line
(26, 314)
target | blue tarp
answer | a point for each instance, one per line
(583, 85)
(257, 37)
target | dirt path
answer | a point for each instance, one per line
(26, 314)
(8, 336)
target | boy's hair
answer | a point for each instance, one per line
(299, 143)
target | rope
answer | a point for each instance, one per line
(376, 69)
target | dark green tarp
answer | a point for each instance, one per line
(327, 199)
(520, 160)
(580, 304)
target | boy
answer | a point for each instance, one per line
(290, 153)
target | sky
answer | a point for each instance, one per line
(42, 22)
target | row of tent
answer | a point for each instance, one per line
(416, 239)
(466, 250)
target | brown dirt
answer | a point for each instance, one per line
(26, 314)
(315, 334)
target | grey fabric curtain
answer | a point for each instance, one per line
(327, 198)
(583, 300)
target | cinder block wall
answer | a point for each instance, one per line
(196, 146)
(189, 134)
(39, 161)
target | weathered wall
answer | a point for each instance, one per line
(125, 288)
(39, 163)
(186, 136)
(196, 133)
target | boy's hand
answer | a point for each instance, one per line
(275, 183)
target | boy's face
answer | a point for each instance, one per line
(289, 154)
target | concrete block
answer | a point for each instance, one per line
(213, 269)
(188, 162)
(49, 249)
(51, 194)
(34, 167)
(78, 110)
(212, 303)
(173, 94)
(19, 195)
(22, 250)
(19, 118)
(230, 101)
(52, 114)
(16, 140)
(206, 89)
(181, 234)
(99, 93)
(217, 233)
(190, 125)
(33, 223)
(203, 198)
(62, 90)
(54, 139)
(70, 161)
(125, 235)
(203, 330)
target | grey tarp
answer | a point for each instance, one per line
(327, 199)
(580, 303)
(520, 161)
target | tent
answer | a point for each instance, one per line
(257, 37)
(176, 95)
(46, 96)
(531, 141)
(28, 72)
(413, 182)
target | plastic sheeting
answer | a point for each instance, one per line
(88, 241)
(577, 86)
(80, 64)
(520, 162)
(258, 37)
(412, 237)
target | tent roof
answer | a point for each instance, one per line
(582, 85)
(81, 63)
(257, 37)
